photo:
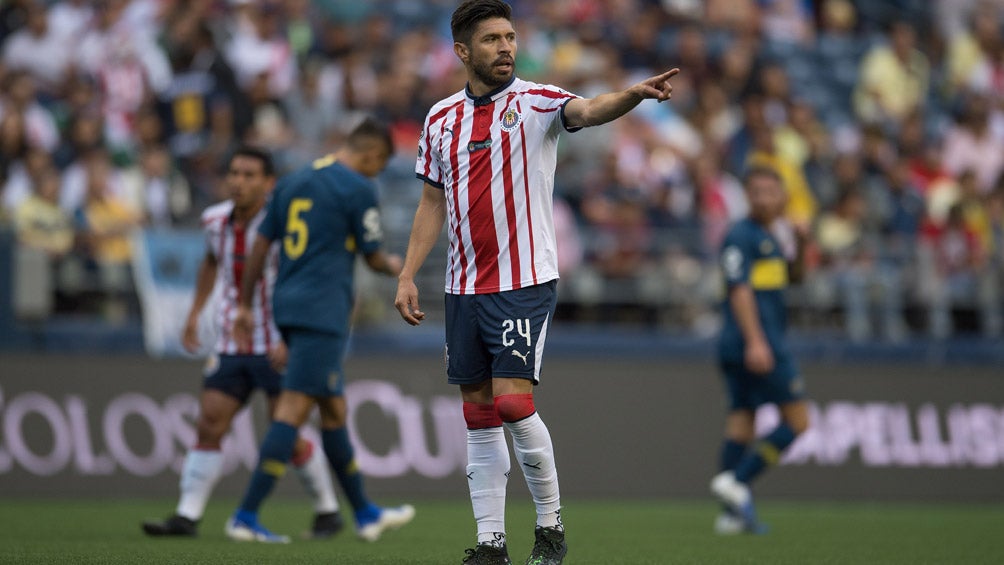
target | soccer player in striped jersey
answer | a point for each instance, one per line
(323, 217)
(752, 353)
(234, 371)
(487, 157)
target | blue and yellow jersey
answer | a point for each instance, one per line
(323, 216)
(751, 256)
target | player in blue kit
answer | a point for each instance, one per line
(752, 352)
(323, 216)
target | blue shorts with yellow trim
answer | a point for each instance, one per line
(499, 334)
(748, 390)
(239, 375)
(314, 366)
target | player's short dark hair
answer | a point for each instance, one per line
(367, 131)
(267, 165)
(470, 13)
(761, 171)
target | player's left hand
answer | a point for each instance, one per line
(657, 87)
(278, 356)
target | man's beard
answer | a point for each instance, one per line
(486, 74)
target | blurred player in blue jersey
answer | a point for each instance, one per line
(322, 216)
(235, 370)
(753, 355)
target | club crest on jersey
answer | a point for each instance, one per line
(510, 120)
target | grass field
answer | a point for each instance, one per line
(607, 532)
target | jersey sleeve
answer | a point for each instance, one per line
(736, 258)
(552, 100)
(208, 233)
(365, 222)
(271, 224)
(428, 167)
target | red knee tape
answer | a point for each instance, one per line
(300, 459)
(481, 416)
(514, 407)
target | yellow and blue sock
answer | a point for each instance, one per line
(342, 458)
(763, 453)
(276, 450)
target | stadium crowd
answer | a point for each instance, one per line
(885, 118)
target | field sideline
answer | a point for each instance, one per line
(600, 532)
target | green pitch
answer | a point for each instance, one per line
(599, 532)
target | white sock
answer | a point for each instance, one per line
(532, 443)
(487, 475)
(316, 480)
(199, 475)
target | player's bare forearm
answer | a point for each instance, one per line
(743, 305)
(254, 266)
(585, 112)
(757, 356)
(385, 263)
(429, 219)
(204, 283)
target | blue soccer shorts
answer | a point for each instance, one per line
(499, 334)
(239, 375)
(748, 390)
(314, 366)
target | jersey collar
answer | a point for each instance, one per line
(491, 96)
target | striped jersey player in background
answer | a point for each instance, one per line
(752, 351)
(487, 158)
(234, 371)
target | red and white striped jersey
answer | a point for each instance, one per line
(230, 245)
(495, 156)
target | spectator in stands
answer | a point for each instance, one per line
(894, 78)
(970, 50)
(127, 65)
(850, 261)
(40, 222)
(39, 50)
(972, 144)
(107, 223)
(259, 52)
(23, 176)
(157, 189)
(19, 98)
(84, 133)
(722, 200)
(788, 22)
(950, 268)
(311, 116)
(801, 210)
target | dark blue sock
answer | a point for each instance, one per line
(342, 458)
(731, 454)
(276, 450)
(764, 452)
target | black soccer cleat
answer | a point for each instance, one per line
(549, 547)
(176, 525)
(326, 525)
(488, 554)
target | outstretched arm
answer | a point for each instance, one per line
(584, 112)
(429, 219)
